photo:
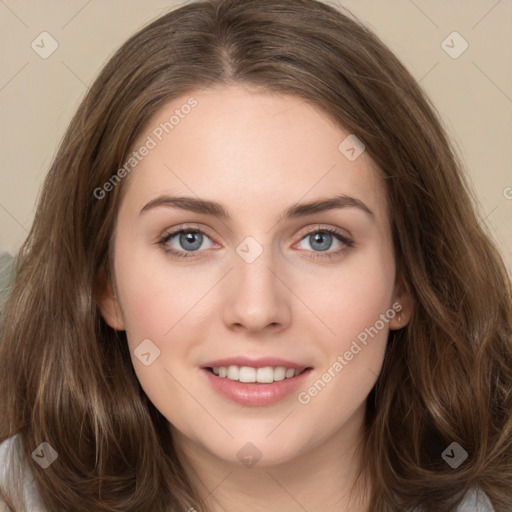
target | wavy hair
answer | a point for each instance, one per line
(67, 377)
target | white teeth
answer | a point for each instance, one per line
(290, 372)
(247, 374)
(279, 373)
(233, 372)
(265, 375)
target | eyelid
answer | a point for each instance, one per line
(187, 227)
(329, 229)
(306, 231)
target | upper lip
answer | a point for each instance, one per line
(260, 362)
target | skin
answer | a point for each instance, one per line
(257, 153)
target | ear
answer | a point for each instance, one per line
(402, 304)
(109, 307)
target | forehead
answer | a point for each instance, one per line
(251, 150)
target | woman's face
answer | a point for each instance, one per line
(297, 273)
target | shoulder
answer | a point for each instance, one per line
(16, 477)
(476, 501)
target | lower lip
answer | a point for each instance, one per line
(255, 394)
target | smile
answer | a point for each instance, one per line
(255, 386)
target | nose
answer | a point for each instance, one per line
(258, 299)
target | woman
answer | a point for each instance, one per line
(336, 337)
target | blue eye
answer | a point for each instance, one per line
(189, 242)
(321, 240)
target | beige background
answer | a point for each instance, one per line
(473, 93)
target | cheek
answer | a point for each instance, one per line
(163, 303)
(158, 305)
(157, 296)
(355, 309)
(351, 298)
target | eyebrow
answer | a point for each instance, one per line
(215, 209)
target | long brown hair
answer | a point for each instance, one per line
(67, 377)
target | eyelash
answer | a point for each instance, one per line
(316, 254)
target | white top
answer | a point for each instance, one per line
(12, 470)
(11, 467)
